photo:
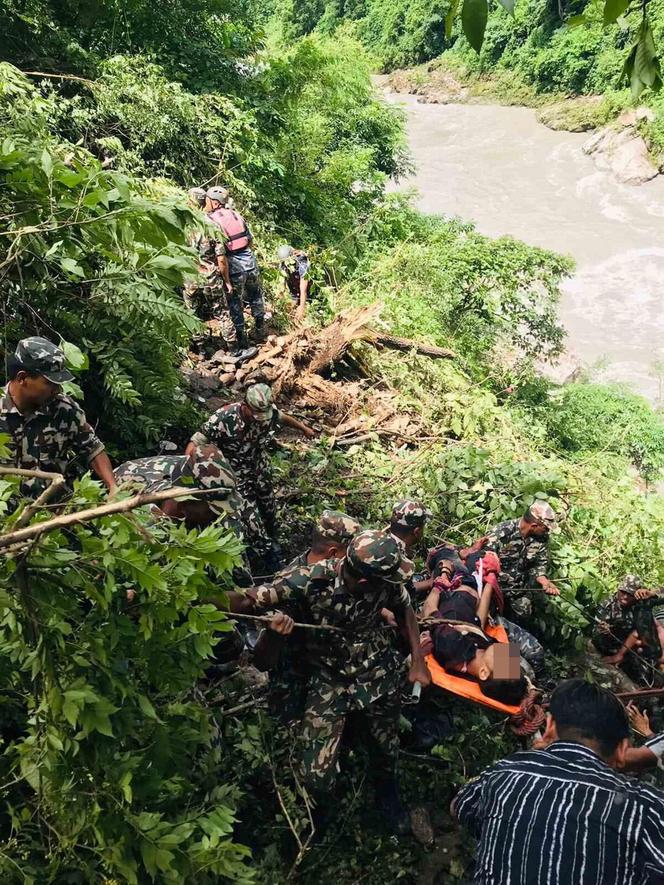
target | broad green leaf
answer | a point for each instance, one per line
(474, 16)
(72, 267)
(76, 359)
(449, 18)
(46, 163)
(613, 9)
(508, 5)
(576, 21)
(146, 706)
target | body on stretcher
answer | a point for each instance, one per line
(469, 688)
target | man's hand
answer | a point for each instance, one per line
(603, 627)
(282, 624)
(639, 720)
(388, 617)
(550, 589)
(419, 672)
(644, 594)
(228, 287)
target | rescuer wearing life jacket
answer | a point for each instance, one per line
(237, 264)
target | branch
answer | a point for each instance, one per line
(51, 525)
(405, 344)
(56, 481)
(266, 619)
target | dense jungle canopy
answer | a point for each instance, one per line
(113, 768)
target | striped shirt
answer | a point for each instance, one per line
(561, 816)
(656, 746)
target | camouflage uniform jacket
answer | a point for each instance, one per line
(166, 471)
(364, 661)
(622, 621)
(522, 560)
(239, 440)
(52, 439)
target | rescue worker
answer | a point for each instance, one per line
(522, 546)
(286, 657)
(47, 430)
(203, 468)
(242, 432)
(294, 265)
(407, 523)
(628, 628)
(237, 264)
(357, 671)
(207, 296)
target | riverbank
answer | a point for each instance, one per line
(622, 144)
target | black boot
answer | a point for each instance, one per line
(242, 342)
(392, 808)
(259, 331)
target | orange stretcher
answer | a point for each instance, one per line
(468, 688)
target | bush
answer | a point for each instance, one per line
(594, 417)
(108, 753)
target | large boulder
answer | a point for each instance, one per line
(622, 151)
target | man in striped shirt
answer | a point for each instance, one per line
(562, 815)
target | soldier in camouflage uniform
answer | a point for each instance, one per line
(242, 431)
(287, 660)
(47, 430)
(203, 468)
(407, 524)
(206, 296)
(627, 630)
(522, 545)
(357, 672)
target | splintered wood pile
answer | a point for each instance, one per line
(295, 365)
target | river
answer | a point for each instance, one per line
(500, 168)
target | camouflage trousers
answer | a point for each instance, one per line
(254, 481)
(329, 707)
(519, 602)
(247, 289)
(211, 302)
(531, 649)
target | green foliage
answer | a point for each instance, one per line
(442, 280)
(108, 756)
(595, 417)
(94, 256)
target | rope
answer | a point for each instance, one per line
(530, 717)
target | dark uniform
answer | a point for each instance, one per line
(289, 680)
(294, 269)
(57, 437)
(206, 297)
(244, 445)
(359, 671)
(522, 561)
(205, 470)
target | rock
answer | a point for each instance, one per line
(572, 115)
(227, 378)
(622, 152)
(222, 356)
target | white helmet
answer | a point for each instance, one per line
(284, 252)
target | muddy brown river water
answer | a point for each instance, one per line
(500, 168)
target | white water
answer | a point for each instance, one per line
(500, 168)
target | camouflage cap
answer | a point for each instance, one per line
(259, 399)
(410, 514)
(337, 526)
(544, 513)
(630, 584)
(197, 195)
(374, 554)
(42, 356)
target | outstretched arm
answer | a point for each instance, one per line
(104, 469)
(295, 424)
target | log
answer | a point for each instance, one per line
(405, 344)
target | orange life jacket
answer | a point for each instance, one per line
(469, 688)
(234, 228)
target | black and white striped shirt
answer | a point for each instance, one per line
(560, 816)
